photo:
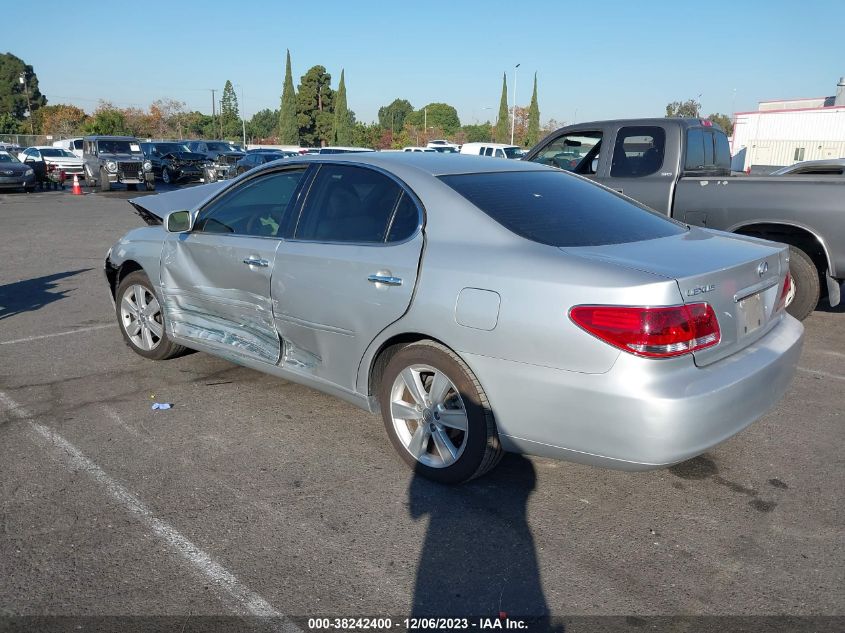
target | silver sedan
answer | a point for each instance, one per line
(479, 306)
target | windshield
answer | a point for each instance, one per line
(117, 147)
(56, 151)
(168, 148)
(443, 150)
(559, 209)
(224, 147)
(514, 152)
(7, 158)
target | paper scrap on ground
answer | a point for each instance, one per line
(161, 405)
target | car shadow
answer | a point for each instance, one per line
(478, 559)
(32, 294)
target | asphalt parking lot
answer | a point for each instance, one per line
(256, 496)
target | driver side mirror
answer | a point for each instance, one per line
(178, 221)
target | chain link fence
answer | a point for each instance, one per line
(27, 140)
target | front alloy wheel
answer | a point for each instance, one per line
(141, 320)
(165, 176)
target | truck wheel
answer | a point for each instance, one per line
(104, 183)
(150, 185)
(165, 175)
(805, 282)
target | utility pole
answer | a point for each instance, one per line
(213, 110)
(22, 79)
(513, 116)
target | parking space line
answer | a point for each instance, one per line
(42, 336)
(817, 372)
(249, 601)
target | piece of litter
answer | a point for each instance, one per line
(161, 405)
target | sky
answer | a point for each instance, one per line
(593, 60)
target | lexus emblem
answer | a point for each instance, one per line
(763, 268)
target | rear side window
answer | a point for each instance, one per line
(638, 151)
(351, 204)
(559, 209)
(707, 149)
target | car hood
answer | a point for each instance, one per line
(63, 160)
(185, 156)
(152, 209)
(15, 168)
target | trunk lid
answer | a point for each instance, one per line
(740, 277)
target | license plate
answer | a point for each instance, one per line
(751, 313)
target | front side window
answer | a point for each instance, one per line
(557, 209)
(638, 151)
(350, 204)
(572, 152)
(256, 208)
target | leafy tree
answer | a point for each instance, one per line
(368, 135)
(392, 117)
(440, 116)
(8, 124)
(501, 131)
(343, 123)
(106, 120)
(60, 120)
(688, 109)
(478, 133)
(315, 107)
(723, 121)
(288, 126)
(532, 135)
(13, 93)
(263, 125)
(196, 124)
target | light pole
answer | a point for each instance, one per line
(22, 79)
(513, 115)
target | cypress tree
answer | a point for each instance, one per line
(342, 133)
(533, 135)
(288, 127)
(502, 131)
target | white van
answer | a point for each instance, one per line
(496, 150)
(71, 144)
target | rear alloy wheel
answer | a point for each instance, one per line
(141, 321)
(806, 287)
(165, 176)
(104, 183)
(437, 415)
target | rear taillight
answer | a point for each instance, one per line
(785, 290)
(659, 332)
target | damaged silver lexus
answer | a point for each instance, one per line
(479, 306)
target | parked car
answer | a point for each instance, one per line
(344, 150)
(496, 150)
(826, 167)
(254, 158)
(444, 147)
(419, 149)
(548, 315)
(73, 145)
(59, 164)
(223, 167)
(213, 149)
(681, 168)
(111, 160)
(14, 174)
(172, 161)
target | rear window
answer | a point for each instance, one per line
(559, 209)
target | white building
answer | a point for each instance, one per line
(781, 133)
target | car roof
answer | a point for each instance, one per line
(106, 137)
(425, 163)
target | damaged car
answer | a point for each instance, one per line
(477, 306)
(173, 162)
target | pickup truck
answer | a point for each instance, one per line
(681, 167)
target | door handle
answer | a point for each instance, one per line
(254, 261)
(387, 280)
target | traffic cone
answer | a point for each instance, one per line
(77, 190)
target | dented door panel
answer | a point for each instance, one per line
(213, 296)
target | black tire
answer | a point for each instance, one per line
(165, 176)
(164, 349)
(150, 185)
(805, 278)
(29, 189)
(103, 182)
(481, 449)
(90, 181)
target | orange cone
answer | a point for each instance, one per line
(77, 190)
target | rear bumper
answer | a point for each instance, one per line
(642, 414)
